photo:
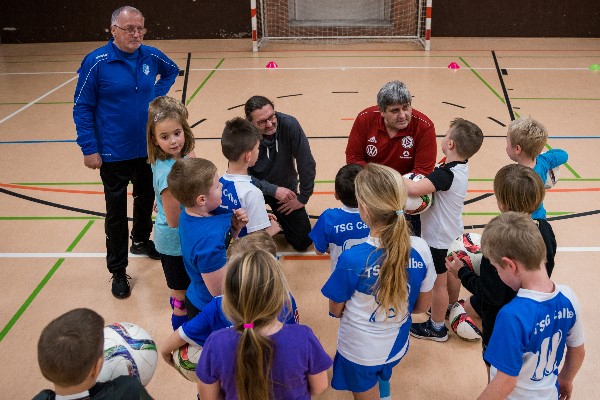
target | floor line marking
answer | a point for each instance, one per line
(38, 99)
(279, 253)
(42, 283)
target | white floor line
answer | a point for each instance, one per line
(38, 99)
(280, 254)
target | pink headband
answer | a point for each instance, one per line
(249, 326)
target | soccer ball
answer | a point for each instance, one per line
(128, 350)
(551, 178)
(418, 204)
(185, 359)
(468, 250)
(462, 324)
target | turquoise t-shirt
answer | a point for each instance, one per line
(166, 239)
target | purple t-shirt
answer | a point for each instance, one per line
(297, 353)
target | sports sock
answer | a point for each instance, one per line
(437, 325)
(178, 320)
(384, 389)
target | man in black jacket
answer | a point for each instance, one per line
(283, 147)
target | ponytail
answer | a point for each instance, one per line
(254, 293)
(381, 194)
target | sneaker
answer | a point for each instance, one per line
(120, 285)
(145, 249)
(425, 330)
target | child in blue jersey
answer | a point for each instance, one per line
(538, 327)
(212, 318)
(443, 223)
(338, 229)
(260, 357)
(525, 141)
(205, 232)
(239, 144)
(376, 286)
(169, 138)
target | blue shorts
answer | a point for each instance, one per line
(358, 378)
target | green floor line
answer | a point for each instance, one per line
(482, 80)
(41, 285)
(204, 82)
(554, 98)
(575, 174)
(48, 218)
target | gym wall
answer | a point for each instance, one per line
(28, 21)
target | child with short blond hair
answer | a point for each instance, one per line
(525, 141)
(534, 329)
(205, 230)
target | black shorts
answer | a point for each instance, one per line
(192, 310)
(439, 260)
(175, 273)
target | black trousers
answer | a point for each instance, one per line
(115, 178)
(296, 225)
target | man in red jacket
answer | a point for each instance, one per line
(394, 134)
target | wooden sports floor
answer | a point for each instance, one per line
(52, 246)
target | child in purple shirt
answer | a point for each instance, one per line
(277, 361)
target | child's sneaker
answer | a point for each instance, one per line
(145, 249)
(425, 330)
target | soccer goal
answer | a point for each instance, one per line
(340, 21)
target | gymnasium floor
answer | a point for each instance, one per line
(52, 247)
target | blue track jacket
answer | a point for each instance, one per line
(111, 101)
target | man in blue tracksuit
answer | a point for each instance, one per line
(116, 84)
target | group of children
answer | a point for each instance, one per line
(219, 261)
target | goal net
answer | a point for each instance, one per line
(340, 21)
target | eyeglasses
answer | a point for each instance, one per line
(263, 123)
(132, 30)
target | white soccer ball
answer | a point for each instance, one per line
(468, 249)
(128, 350)
(417, 204)
(186, 359)
(462, 324)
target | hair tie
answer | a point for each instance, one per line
(157, 116)
(399, 212)
(249, 326)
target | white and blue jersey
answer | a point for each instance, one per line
(543, 164)
(204, 243)
(239, 192)
(366, 337)
(338, 229)
(212, 319)
(529, 340)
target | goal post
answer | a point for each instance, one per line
(340, 21)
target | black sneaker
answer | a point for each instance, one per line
(120, 285)
(425, 330)
(145, 249)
